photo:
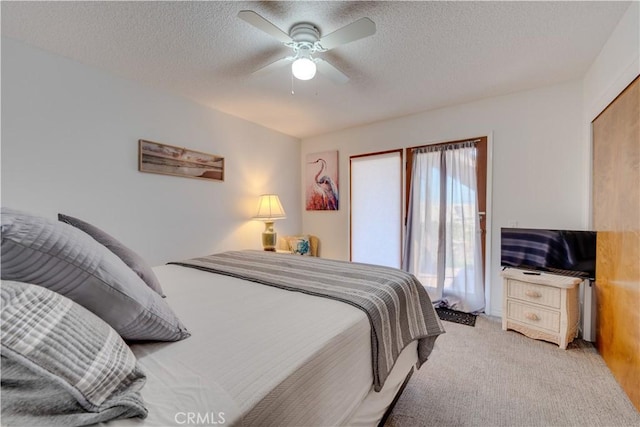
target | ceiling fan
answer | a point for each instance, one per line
(305, 40)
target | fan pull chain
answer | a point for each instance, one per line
(292, 91)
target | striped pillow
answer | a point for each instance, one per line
(61, 363)
(68, 261)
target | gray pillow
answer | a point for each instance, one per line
(68, 261)
(129, 257)
(61, 364)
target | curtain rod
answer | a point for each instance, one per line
(463, 141)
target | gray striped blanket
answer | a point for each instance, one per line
(396, 303)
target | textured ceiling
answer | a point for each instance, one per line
(424, 55)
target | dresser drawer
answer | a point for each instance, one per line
(534, 316)
(538, 294)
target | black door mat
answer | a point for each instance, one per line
(456, 316)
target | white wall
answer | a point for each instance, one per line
(540, 163)
(69, 144)
(617, 64)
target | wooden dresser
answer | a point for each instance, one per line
(541, 306)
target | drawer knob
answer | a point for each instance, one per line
(533, 294)
(531, 316)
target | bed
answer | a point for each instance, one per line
(260, 354)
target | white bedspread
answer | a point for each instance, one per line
(257, 353)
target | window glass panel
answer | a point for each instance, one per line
(376, 209)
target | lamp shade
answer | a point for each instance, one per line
(269, 208)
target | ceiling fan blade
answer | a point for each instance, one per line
(330, 71)
(280, 63)
(363, 27)
(262, 24)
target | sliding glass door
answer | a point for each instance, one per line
(445, 222)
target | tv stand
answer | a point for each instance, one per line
(541, 306)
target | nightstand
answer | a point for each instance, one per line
(541, 306)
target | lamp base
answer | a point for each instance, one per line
(269, 237)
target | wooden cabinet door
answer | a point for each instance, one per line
(616, 217)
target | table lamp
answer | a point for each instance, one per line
(269, 210)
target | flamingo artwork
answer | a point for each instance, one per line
(322, 188)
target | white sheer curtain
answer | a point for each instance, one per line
(443, 238)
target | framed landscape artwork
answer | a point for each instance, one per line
(154, 157)
(321, 181)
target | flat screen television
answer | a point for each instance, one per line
(565, 252)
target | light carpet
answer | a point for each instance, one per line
(484, 376)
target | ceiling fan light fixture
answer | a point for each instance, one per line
(304, 39)
(303, 69)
